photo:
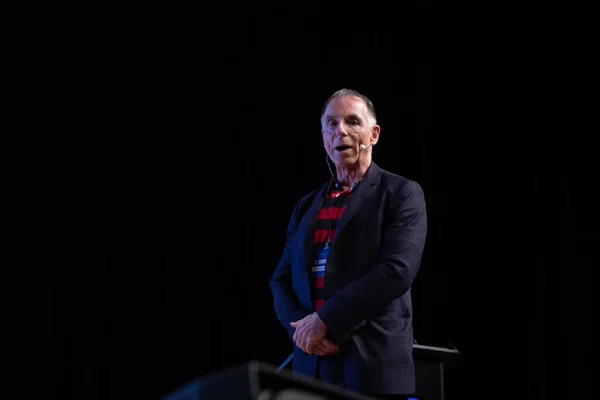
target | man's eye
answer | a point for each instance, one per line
(332, 123)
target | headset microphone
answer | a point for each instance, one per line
(363, 147)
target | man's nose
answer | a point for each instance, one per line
(340, 129)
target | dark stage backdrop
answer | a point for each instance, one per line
(179, 139)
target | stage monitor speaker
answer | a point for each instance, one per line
(260, 381)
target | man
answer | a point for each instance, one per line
(354, 246)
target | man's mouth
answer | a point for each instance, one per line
(343, 147)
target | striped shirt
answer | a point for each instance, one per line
(325, 225)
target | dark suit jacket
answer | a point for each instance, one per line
(373, 261)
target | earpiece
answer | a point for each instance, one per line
(363, 147)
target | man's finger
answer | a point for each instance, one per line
(330, 345)
(302, 347)
(294, 324)
(331, 348)
(310, 345)
(320, 350)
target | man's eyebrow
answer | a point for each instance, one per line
(352, 116)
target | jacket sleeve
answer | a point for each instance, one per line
(401, 250)
(287, 306)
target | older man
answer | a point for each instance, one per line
(354, 246)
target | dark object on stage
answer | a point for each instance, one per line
(260, 381)
(430, 363)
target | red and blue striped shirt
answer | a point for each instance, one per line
(325, 226)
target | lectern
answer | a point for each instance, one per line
(430, 363)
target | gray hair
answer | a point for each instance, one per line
(350, 92)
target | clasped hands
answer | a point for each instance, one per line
(310, 336)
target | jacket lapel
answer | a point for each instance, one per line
(309, 225)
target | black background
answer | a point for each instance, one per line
(161, 149)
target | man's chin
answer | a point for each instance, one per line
(344, 160)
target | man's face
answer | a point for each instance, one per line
(346, 125)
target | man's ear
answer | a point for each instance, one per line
(375, 130)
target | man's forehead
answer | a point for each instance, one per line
(347, 105)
